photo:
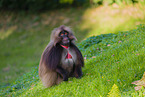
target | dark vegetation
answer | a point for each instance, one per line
(39, 5)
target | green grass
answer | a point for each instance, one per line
(23, 37)
(110, 59)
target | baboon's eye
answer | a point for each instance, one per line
(65, 33)
(61, 34)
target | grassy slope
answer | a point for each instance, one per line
(110, 59)
(23, 36)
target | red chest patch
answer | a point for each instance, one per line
(68, 55)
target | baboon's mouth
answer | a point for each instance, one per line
(65, 42)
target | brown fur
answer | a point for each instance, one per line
(52, 64)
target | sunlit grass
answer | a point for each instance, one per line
(110, 19)
(5, 33)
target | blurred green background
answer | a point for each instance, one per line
(26, 25)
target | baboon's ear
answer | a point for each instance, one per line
(72, 37)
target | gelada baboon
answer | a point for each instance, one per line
(61, 58)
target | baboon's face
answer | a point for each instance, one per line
(65, 39)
